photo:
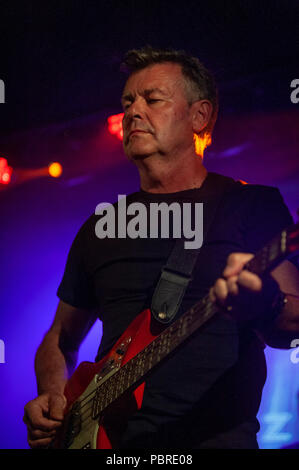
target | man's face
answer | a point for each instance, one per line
(157, 117)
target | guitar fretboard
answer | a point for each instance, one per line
(137, 368)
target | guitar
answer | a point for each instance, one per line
(101, 396)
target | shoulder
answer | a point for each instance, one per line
(260, 199)
(263, 214)
(244, 191)
(259, 190)
(262, 204)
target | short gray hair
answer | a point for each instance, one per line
(196, 75)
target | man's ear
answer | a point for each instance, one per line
(201, 112)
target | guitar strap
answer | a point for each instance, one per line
(177, 273)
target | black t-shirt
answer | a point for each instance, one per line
(214, 382)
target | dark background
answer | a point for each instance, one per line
(60, 64)
(60, 60)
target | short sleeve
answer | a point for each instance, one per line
(266, 215)
(76, 286)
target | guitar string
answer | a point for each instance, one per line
(196, 306)
(204, 304)
(145, 354)
(87, 413)
(90, 401)
(134, 358)
(205, 301)
(111, 378)
(88, 409)
(195, 310)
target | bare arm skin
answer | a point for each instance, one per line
(280, 332)
(55, 360)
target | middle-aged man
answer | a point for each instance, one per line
(207, 394)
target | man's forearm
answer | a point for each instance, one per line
(53, 364)
(285, 327)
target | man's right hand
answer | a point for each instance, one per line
(43, 416)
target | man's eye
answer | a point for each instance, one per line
(152, 100)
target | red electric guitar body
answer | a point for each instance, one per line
(104, 431)
(101, 396)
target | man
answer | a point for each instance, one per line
(207, 395)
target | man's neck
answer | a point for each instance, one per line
(171, 177)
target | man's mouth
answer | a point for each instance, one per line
(137, 131)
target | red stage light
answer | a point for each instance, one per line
(115, 125)
(5, 171)
(55, 169)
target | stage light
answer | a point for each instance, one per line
(115, 125)
(55, 169)
(5, 171)
(200, 143)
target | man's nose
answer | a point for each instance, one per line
(136, 110)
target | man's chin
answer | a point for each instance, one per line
(138, 155)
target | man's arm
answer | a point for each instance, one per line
(285, 326)
(55, 360)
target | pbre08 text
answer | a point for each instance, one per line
(171, 459)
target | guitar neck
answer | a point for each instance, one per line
(270, 255)
(139, 366)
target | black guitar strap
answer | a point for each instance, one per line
(177, 273)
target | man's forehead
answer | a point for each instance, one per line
(157, 77)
